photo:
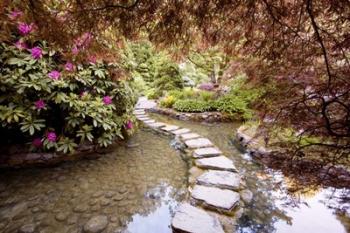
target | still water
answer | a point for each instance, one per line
(309, 209)
(137, 187)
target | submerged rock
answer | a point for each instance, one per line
(96, 224)
(28, 228)
(247, 196)
(195, 220)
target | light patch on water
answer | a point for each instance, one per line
(151, 223)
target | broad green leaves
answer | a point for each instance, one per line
(73, 107)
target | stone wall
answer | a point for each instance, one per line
(187, 116)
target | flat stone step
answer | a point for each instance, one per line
(170, 128)
(191, 219)
(149, 121)
(139, 112)
(220, 179)
(216, 163)
(198, 143)
(181, 131)
(206, 152)
(188, 136)
(156, 125)
(221, 199)
(144, 118)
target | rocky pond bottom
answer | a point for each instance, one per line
(133, 189)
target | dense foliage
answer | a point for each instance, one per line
(153, 70)
(60, 109)
(301, 47)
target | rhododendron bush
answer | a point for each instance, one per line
(56, 105)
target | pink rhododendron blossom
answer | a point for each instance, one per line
(15, 14)
(51, 136)
(37, 53)
(69, 66)
(75, 50)
(92, 59)
(21, 45)
(40, 104)
(55, 75)
(107, 100)
(129, 125)
(37, 142)
(84, 40)
(24, 28)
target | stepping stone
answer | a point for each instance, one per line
(188, 136)
(216, 163)
(156, 125)
(138, 112)
(220, 179)
(170, 128)
(206, 152)
(221, 199)
(198, 143)
(191, 219)
(181, 131)
(149, 121)
(143, 118)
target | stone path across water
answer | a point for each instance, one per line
(214, 203)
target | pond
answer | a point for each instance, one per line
(278, 204)
(139, 184)
(136, 187)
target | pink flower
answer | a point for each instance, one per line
(129, 125)
(51, 136)
(75, 50)
(37, 52)
(15, 14)
(107, 100)
(40, 104)
(21, 45)
(69, 66)
(55, 75)
(24, 28)
(37, 142)
(92, 59)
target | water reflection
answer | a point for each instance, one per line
(164, 210)
(280, 203)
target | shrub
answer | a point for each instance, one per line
(234, 106)
(206, 96)
(58, 107)
(168, 101)
(168, 77)
(192, 106)
(153, 93)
